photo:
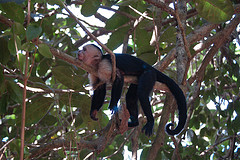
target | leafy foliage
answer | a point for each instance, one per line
(215, 11)
(58, 99)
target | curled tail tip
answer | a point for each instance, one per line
(173, 132)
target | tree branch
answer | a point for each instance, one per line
(220, 38)
(162, 5)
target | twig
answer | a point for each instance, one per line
(6, 144)
(156, 38)
(24, 93)
(162, 5)
(119, 12)
(176, 151)
(213, 146)
(141, 14)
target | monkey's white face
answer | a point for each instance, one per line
(90, 55)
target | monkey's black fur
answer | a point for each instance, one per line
(147, 76)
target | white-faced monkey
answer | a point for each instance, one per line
(147, 76)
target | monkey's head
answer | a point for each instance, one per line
(90, 54)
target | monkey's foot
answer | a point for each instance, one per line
(133, 122)
(148, 128)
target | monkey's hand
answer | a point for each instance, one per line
(114, 109)
(93, 115)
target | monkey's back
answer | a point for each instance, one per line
(130, 65)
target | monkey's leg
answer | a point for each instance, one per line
(97, 100)
(145, 86)
(116, 92)
(132, 106)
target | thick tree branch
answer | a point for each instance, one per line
(195, 36)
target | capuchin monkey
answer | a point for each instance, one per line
(126, 64)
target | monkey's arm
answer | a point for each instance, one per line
(97, 100)
(116, 92)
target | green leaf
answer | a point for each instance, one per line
(33, 31)
(53, 2)
(4, 54)
(49, 120)
(235, 123)
(116, 39)
(79, 121)
(150, 58)
(202, 118)
(203, 132)
(77, 100)
(15, 91)
(215, 123)
(13, 11)
(21, 61)
(169, 35)
(67, 77)
(44, 66)
(18, 29)
(236, 106)
(90, 7)
(11, 44)
(145, 153)
(215, 11)
(44, 50)
(3, 103)
(37, 109)
(207, 111)
(28, 46)
(116, 21)
(2, 78)
(143, 37)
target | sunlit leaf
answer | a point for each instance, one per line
(67, 77)
(44, 50)
(116, 21)
(215, 11)
(116, 39)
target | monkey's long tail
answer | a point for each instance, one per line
(181, 102)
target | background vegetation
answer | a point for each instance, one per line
(194, 42)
